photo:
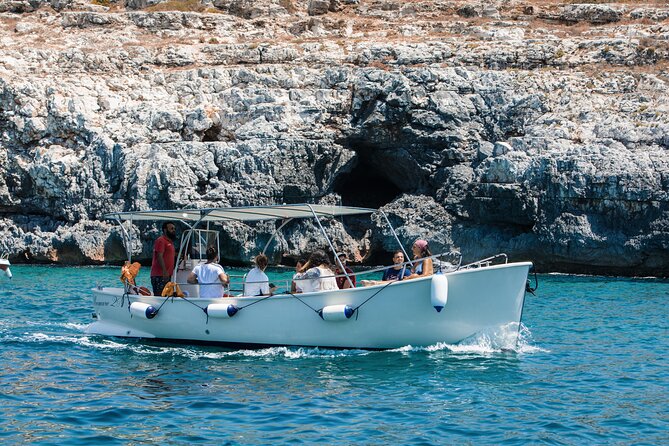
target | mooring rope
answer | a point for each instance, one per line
(204, 309)
(257, 301)
(370, 298)
(355, 309)
(309, 306)
(190, 302)
(528, 287)
(125, 294)
(161, 305)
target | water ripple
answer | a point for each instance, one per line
(590, 367)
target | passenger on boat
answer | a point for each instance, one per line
(423, 267)
(211, 276)
(296, 285)
(257, 282)
(398, 271)
(393, 273)
(317, 274)
(342, 282)
(162, 265)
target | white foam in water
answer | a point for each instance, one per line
(279, 352)
(14, 324)
(86, 341)
(502, 340)
(101, 343)
(78, 327)
(508, 338)
(197, 353)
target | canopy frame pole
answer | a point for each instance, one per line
(334, 251)
(184, 243)
(406, 256)
(182, 250)
(275, 233)
(127, 238)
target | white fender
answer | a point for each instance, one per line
(439, 291)
(141, 309)
(8, 272)
(224, 311)
(336, 312)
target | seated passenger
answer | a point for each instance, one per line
(424, 267)
(398, 271)
(296, 285)
(211, 276)
(317, 274)
(257, 282)
(342, 282)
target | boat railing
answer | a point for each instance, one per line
(487, 261)
(447, 261)
(443, 262)
(236, 284)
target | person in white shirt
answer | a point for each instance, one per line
(317, 274)
(296, 285)
(257, 282)
(211, 276)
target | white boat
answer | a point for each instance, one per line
(4, 265)
(457, 302)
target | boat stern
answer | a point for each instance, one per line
(112, 315)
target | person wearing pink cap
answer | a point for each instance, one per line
(424, 267)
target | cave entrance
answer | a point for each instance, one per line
(212, 134)
(366, 186)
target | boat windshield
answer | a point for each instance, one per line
(195, 242)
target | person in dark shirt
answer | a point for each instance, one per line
(342, 282)
(162, 265)
(398, 271)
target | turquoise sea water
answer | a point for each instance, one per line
(591, 367)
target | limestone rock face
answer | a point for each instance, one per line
(593, 13)
(482, 128)
(318, 7)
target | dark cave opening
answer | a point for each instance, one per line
(365, 186)
(212, 134)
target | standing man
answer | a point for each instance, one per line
(162, 265)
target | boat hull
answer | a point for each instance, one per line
(390, 315)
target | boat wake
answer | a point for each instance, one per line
(504, 340)
(508, 339)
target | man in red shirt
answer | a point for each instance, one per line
(162, 265)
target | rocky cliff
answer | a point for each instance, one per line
(534, 128)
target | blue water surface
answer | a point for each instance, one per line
(591, 367)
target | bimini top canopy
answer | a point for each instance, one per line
(249, 213)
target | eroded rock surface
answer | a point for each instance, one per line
(536, 129)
